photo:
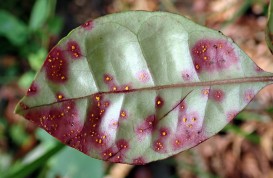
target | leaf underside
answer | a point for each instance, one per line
(136, 87)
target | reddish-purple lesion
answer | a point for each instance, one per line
(107, 78)
(248, 95)
(88, 25)
(258, 69)
(56, 66)
(33, 89)
(231, 115)
(187, 75)
(143, 76)
(116, 153)
(205, 92)
(59, 96)
(182, 106)
(213, 55)
(188, 131)
(159, 102)
(61, 121)
(23, 106)
(91, 135)
(217, 95)
(164, 132)
(74, 50)
(147, 126)
(112, 85)
(123, 114)
(139, 161)
(160, 144)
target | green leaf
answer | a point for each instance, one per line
(18, 134)
(135, 87)
(26, 79)
(39, 14)
(21, 171)
(55, 25)
(71, 163)
(12, 28)
(269, 28)
(36, 59)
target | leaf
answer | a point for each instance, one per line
(269, 28)
(76, 165)
(24, 170)
(136, 87)
(12, 28)
(39, 14)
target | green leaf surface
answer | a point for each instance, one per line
(12, 28)
(136, 87)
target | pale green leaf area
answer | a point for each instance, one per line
(137, 86)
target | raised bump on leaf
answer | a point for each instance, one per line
(107, 78)
(60, 96)
(182, 106)
(205, 92)
(159, 102)
(123, 114)
(126, 87)
(164, 132)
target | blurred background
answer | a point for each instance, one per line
(30, 28)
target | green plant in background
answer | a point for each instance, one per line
(30, 40)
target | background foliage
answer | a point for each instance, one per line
(29, 28)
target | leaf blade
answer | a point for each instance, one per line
(12, 28)
(119, 91)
